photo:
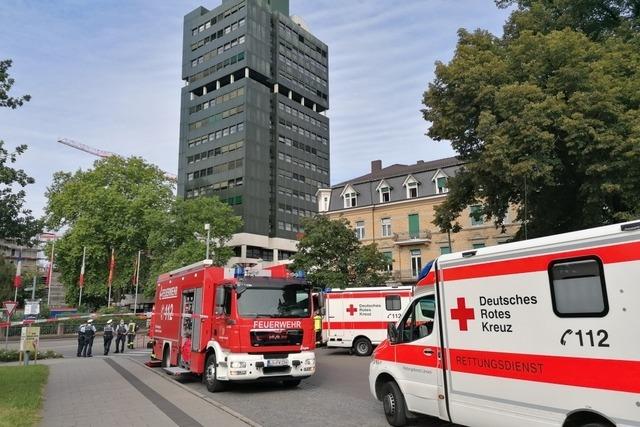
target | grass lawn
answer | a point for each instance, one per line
(21, 389)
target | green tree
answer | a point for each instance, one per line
(545, 117)
(181, 240)
(127, 205)
(332, 256)
(16, 221)
(7, 273)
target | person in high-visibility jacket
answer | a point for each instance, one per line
(131, 333)
(317, 326)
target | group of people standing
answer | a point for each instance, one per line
(87, 332)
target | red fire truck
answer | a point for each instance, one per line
(210, 322)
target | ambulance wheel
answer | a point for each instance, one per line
(166, 361)
(362, 346)
(291, 383)
(209, 375)
(393, 404)
(594, 425)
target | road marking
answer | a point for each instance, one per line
(178, 416)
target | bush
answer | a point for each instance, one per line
(14, 355)
(45, 313)
(107, 310)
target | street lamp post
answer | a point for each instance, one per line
(135, 300)
(208, 228)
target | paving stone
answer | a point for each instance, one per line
(106, 392)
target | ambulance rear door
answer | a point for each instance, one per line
(334, 316)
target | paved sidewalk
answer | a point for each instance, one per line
(117, 391)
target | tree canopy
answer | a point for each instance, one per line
(128, 205)
(547, 114)
(332, 256)
(16, 221)
(7, 273)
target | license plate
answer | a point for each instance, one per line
(277, 362)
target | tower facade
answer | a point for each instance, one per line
(253, 125)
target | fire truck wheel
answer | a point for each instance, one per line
(393, 404)
(209, 375)
(362, 346)
(291, 383)
(594, 425)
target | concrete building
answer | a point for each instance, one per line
(13, 252)
(394, 207)
(35, 261)
(253, 126)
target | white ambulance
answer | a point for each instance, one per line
(544, 332)
(357, 318)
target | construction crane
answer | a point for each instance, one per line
(102, 153)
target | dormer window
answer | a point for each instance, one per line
(384, 190)
(385, 194)
(412, 190)
(440, 179)
(441, 185)
(350, 197)
(350, 200)
(411, 184)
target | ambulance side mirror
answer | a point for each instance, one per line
(392, 333)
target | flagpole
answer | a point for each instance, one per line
(84, 254)
(135, 300)
(17, 281)
(110, 275)
(53, 245)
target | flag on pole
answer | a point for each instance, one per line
(135, 267)
(81, 280)
(17, 281)
(50, 269)
(112, 266)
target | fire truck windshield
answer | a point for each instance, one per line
(292, 300)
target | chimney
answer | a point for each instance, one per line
(420, 162)
(376, 166)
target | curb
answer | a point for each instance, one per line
(201, 396)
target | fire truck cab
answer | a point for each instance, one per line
(541, 332)
(208, 321)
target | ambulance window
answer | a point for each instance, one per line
(418, 322)
(392, 302)
(578, 288)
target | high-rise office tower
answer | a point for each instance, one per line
(253, 129)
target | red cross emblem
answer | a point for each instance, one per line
(462, 314)
(351, 309)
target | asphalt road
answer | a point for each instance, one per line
(338, 394)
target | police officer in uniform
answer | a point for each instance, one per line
(81, 339)
(89, 334)
(108, 336)
(121, 333)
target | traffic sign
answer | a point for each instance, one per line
(32, 308)
(10, 306)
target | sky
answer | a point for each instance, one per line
(107, 73)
